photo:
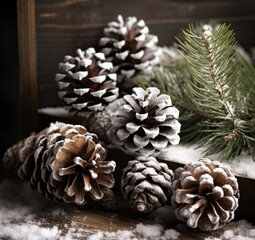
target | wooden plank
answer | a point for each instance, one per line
(27, 64)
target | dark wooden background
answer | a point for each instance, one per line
(50, 29)
(63, 26)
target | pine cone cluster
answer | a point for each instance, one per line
(146, 184)
(205, 194)
(85, 81)
(146, 124)
(129, 46)
(66, 163)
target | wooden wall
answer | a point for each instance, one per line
(64, 25)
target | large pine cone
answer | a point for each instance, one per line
(146, 184)
(129, 46)
(67, 164)
(205, 194)
(85, 81)
(146, 124)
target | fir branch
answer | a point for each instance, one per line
(210, 60)
(213, 84)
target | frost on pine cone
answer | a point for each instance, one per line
(146, 184)
(85, 81)
(129, 46)
(146, 124)
(205, 194)
(67, 164)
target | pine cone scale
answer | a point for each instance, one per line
(95, 191)
(106, 180)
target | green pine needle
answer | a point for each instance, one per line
(211, 80)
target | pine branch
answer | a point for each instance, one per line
(209, 58)
(214, 86)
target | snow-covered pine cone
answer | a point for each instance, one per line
(146, 184)
(67, 164)
(146, 124)
(205, 194)
(129, 46)
(85, 81)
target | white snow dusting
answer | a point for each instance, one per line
(242, 166)
(141, 232)
(27, 231)
(240, 230)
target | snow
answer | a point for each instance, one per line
(240, 230)
(54, 111)
(242, 166)
(29, 232)
(150, 232)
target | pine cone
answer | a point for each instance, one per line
(205, 194)
(85, 81)
(146, 184)
(129, 46)
(67, 164)
(146, 124)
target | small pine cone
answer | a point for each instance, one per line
(146, 124)
(68, 164)
(129, 46)
(205, 194)
(146, 184)
(85, 81)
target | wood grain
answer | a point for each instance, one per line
(27, 67)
